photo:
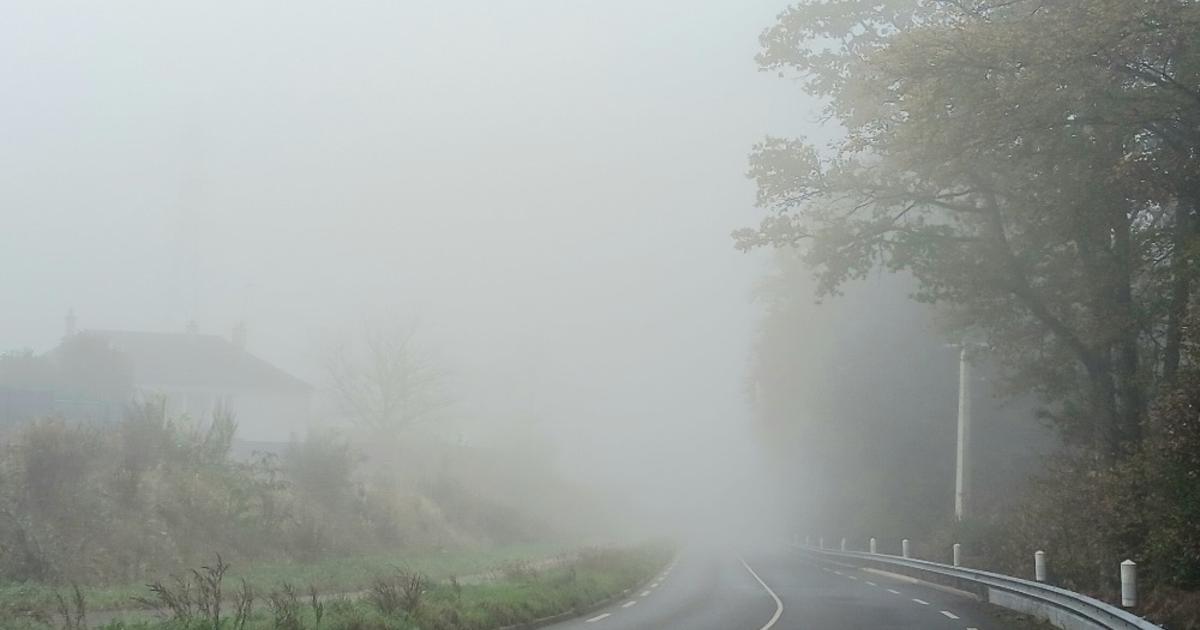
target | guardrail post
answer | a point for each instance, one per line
(872, 545)
(1129, 584)
(1039, 565)
(904, 547)
(843, 544)
(957, 555)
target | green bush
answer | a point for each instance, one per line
(1089, 516)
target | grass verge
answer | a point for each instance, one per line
(401, 598)
(331, 576)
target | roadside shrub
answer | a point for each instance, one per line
(385, 595)
(400, 592)
(1090, 516)
(285, 608)
(175, 599)
(243, 605)
(73, 611)
(198, 595)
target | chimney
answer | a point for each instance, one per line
(238, 335)
(71, 322)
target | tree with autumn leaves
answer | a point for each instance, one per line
(1033, 164)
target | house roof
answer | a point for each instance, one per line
(194, 360)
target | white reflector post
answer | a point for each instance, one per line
(1129, 584)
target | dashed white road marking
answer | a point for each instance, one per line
(893, 591)
(654, 585)
(920, 601)
(644, 593)
(852, 577)
(778, 602)
(836, 572)
(870, 583)
(598, 617)
(629, 603)
(949, 614)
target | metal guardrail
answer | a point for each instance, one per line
(1058, 606)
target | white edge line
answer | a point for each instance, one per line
(778, 603)
(598, 617)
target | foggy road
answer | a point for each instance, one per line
(707, 590)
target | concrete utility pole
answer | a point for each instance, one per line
(961, 471)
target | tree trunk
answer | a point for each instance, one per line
(1181, 282)
(1131, 399)
(1102, 406)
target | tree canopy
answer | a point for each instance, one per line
(1033, 163)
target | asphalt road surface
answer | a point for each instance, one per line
(781, 588)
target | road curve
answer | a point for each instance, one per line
(777, 588)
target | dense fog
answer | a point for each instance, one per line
(542, 191)
(477, 314)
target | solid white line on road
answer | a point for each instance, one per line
(629, 603)
(949, 614)
(644, 593)
(598, 617)
(893, 591)
(778, 602)
(920, 601)
(870, 583)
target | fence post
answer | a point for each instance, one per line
(904, 547)
(1129, 584)
(1039, 565)
(872, 545)
(843, 544)
(957, 555)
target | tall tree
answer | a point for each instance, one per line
(1031, 162)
